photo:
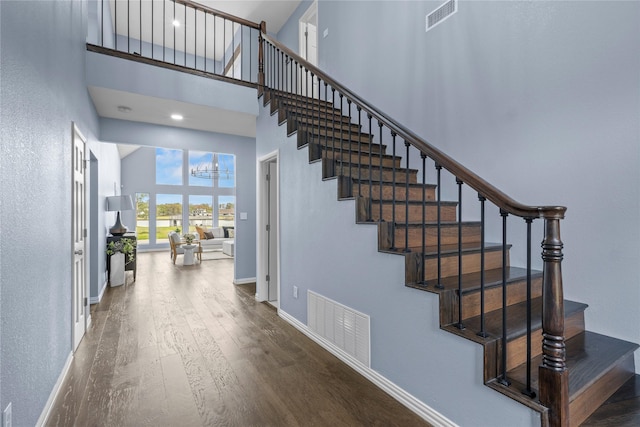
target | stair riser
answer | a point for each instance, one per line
(306, 117)
(415, 193)
(355, 159)
(310, 110)
(470, 264)
(584, 405)
(333, 139)
(517, 349)
(295, 124)
(516, 292)
(330, 170)
(362, 147)
(448, 235)
(447, 213)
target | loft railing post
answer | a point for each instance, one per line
(553, 374)
(263, 30)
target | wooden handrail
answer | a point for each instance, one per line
(219, 13)
(500, 199)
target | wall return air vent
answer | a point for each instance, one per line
(441, 14)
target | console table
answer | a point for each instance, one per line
(127, 267)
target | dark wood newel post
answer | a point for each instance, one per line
(263, 30)
(553, 374)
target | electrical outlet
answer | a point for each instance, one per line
(6, 416)
(295, 292)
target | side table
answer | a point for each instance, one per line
(188, 258)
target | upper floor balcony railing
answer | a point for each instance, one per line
(179, 33)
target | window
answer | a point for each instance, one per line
(200, 212)
(199, 163)
(226, 211)
(168, 215)
(227, 166)
(168, 166)
(142, 217)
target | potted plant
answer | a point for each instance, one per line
(122, 252)
(189, 238)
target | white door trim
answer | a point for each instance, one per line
(262, 290)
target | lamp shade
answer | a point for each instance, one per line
(119, 203)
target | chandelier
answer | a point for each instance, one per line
(211, 171)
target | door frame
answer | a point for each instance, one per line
(311, 14)
(84, 298)
(262, 241)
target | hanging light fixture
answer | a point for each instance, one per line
(211, 171)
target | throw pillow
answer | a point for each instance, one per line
(218, 232)
(200, 231)
(232, 233)
(208, 235)
(226, 231)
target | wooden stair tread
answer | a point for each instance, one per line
(589, 355)
(413, 202)
(447, 250)
(357, 181)
(404, 225)
(622, 409)
(517, 318)
(471, 281)
(354, 167)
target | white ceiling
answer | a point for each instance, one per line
(157, 110)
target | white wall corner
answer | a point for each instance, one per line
(244, 281)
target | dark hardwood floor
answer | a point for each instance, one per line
(183, 346)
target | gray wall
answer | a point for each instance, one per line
(539, 98)
(322, 249)
(139, 173)
(43, 90)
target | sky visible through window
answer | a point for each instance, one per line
(168, 166)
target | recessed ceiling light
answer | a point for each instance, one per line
(177, 116)
(176, 23)
(124, 109)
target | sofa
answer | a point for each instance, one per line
(212, 238)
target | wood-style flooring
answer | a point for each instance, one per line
(182, 346)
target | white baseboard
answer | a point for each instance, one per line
(244, 281)
(54, 393)
(411, 402)
(96, 300)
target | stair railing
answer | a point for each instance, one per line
(179, 34)
(315, 100)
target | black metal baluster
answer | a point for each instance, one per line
(393, 193)
(140, 31)
(503, 377)
(406, 202)
(360, 151)
(205, 43)
(483, 332)
(370, 209)
(350, 145)
(528, 390)
(128, 26)
(115, 19)
(185, 35)
(439, 285)
(195, 39)
(422, 280)
(174, 32)
(341, 142)
(102, 22)
(214, 50)
(164, 29)
(380, 167)
(326, 123)
(460, 325)
(333, 128)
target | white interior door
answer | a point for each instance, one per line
(308, 46)
(272, 227)
(78, 227)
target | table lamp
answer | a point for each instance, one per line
(119, 203)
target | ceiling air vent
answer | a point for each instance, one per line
(441, 14)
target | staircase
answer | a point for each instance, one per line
(483, 298)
